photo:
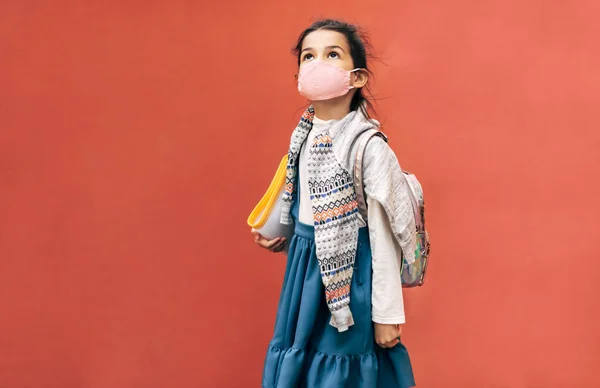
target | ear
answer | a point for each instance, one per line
(359, 78)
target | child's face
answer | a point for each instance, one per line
(328, 46)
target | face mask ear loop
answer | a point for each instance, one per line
(352, 71)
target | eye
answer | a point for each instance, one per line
(307, 57)
(333, 54)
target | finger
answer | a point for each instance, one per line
(282, 247)
(276, 249)
(274, 242)
(393, 343)
(387, 342)
(279, 246)
(262, 242)
(270, 244)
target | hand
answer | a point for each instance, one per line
(275, 245)
(387, 336)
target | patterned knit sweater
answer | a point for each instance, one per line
(334, 205)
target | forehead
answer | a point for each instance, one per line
(323, 38)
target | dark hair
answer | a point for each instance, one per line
(359, 51)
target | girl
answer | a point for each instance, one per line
(341, 310)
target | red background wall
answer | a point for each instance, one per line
(135, 136)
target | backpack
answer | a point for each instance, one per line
(412, 275)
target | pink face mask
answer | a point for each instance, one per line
(320, 80)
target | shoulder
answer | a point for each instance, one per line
(380, 163)
(378, 148)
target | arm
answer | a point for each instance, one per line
(386, 295)
(392, 230)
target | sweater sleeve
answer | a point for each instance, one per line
(384, 182)
(386, 297)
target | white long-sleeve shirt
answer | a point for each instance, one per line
(386, 297)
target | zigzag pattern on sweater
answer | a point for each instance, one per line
(333, 200)
(330, 185)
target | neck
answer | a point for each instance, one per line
(334, 109)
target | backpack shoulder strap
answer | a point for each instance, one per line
(358, 169)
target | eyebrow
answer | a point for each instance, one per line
(328, 47)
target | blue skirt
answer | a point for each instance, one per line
(306, 351)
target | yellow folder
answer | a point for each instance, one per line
(265, 217)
